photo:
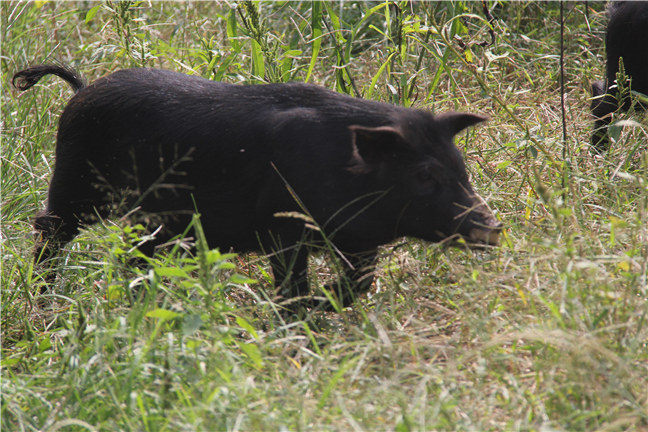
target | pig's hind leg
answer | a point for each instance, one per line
(72, 202)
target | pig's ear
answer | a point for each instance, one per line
(377, 144)
(455, 122)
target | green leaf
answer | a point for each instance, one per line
(469, 56)
(163, 314)
(224, 65)
(503, 165)
(334, 18)
(245, 325)
(91, 13)
(44, 344)
(258, 66)
(212, 63)
(238, 279)
(171, 272)
(8, 362)
(114, 292)
(316, 41)
(375, 78)
(232, 30)
(253, 353)
(370, 12)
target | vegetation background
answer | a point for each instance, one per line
(547, 332)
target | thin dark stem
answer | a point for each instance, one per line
(565, 152)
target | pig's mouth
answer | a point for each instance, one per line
(479, 236)
(484, 237)
(476, 238)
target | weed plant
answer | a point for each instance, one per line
(547, 332)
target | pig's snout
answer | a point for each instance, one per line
(486, 236)
(484, 227)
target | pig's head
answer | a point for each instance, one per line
(429, 195)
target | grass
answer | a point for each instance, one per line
(546, 332)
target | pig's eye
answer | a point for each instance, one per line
(424, 176)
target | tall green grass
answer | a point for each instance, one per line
(546, 332)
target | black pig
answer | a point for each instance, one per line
(168, 144)
(627, 38)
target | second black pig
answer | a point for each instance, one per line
(626, 38)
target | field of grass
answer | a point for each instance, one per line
(548, 331)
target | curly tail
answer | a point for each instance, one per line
(28, 77)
